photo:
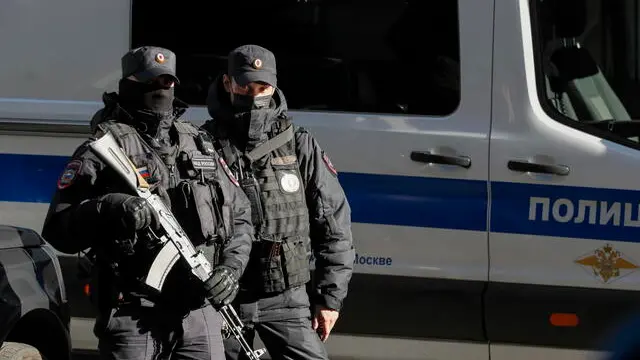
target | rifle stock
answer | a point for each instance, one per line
(174, 240)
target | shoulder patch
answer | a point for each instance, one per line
(228, 171)
(329, 164)
(69, 174)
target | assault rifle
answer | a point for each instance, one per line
(175, 244)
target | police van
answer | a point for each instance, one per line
(488, 149)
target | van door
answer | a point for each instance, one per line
(417, 185)
(398, 95)
(564, 188)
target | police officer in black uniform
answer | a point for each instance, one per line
(298, 209)
(92, 209)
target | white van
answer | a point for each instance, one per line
(487, 149)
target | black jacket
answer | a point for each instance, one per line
(75, 221)
(330, 213)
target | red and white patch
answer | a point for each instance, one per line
(329, 164)
(228, 172)
(69, 174)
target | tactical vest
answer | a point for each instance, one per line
(272, 181)
(188, 182)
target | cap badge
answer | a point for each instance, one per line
(257, 63)
(159, 58)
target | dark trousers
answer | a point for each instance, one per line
(143, 333)
(289, 339)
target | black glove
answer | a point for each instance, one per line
(222, 287)
(131, 213)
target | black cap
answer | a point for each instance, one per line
(252, 63)
(147, 62)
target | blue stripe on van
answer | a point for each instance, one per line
(375, 199)
(416, 201)
(408, 201)
(29, 178)
(510, 211)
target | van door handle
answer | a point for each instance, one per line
(427, 157)
(525, 166)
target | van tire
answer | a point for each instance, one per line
(19, 351)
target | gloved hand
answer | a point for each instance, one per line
(222, 287)
(131, 213)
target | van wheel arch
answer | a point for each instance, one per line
(43, 330)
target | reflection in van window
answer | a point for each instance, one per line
(587, 51)
(387, 56)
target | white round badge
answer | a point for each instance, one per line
(290, 183)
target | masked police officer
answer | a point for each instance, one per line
(91, 208)
(298, 209)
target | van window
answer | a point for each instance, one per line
(386, 56)
(589, 71)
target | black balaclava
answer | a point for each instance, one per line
(151, 107)
(247, 129)
(252, 117)
(152, 97)
(245, 103)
